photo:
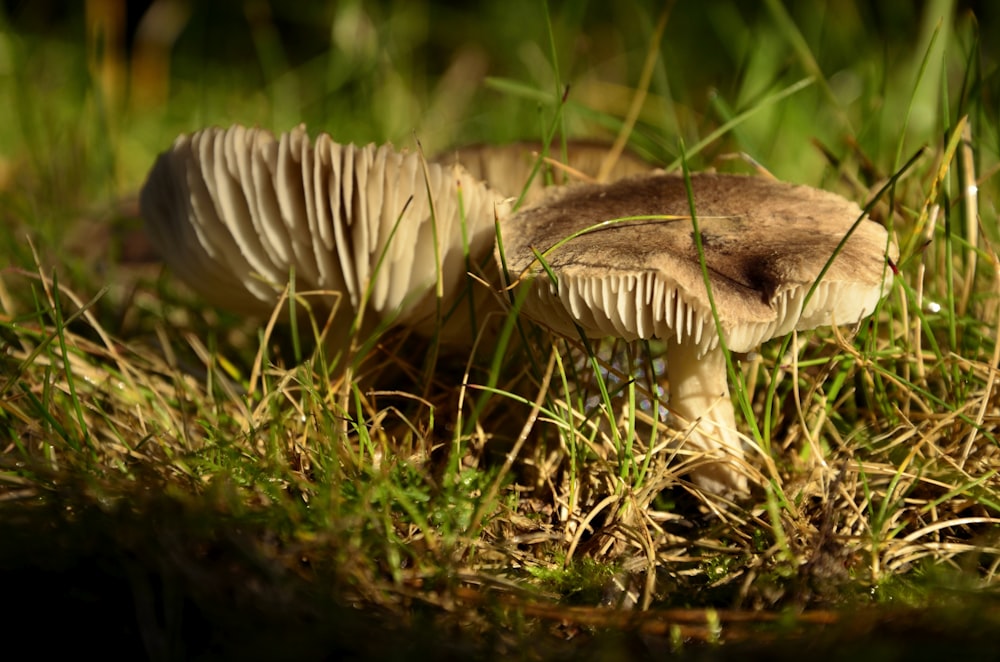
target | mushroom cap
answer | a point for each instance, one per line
(508, 167)
(765, 244)
(235, 211)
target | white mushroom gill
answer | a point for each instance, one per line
(236, 211)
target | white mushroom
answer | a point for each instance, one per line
(236, 211)
(765, 244)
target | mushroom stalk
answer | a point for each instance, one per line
(699, 394)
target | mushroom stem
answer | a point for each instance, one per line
(699, 394)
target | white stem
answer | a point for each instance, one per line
(699, 393)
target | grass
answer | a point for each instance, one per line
(177, 476)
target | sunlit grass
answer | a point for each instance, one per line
(491, 488)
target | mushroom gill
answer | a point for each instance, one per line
(237, 212)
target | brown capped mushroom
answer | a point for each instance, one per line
(765, 244)
(235, 211)
(507, 168)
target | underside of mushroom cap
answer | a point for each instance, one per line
(765, 244)
(236, 211)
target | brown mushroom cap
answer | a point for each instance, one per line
(507, 168)
(621, 260)
(235, 211)
(765, 244)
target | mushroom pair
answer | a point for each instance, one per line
(237, 212)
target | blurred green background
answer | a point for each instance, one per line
(93, 90)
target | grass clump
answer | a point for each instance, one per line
(220, 486)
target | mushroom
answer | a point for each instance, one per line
(765, 244)
(235, 212)
(507, 168)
